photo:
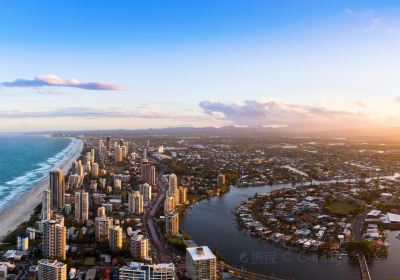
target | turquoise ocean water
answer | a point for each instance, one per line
(27, 159)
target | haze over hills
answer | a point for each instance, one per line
(240, 132)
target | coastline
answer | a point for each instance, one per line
(22, 209)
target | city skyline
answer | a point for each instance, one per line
(157, 64)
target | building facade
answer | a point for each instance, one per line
(201, 263)
(54, 241)
(115, 240)
(57, 189)
(140, 271)
(139, 247)
(52, 270)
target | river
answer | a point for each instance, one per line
(213, 223)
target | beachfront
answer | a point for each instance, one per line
(22, 209)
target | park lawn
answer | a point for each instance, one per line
(341, 208)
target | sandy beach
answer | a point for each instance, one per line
(22, 209)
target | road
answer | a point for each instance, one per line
(363, 267)
(149, 217)
(358, 226)
(357, 234)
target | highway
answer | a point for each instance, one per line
(357, 231)
(149, 217)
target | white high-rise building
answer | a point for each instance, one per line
(102, 147)
(173, 188)
(124, 151)
(92, 155)
(82, 205)
(102, 227)
(139, 247)
(172, 224)
(145, 190)
(46, 207)
(95, 170)
(78, 168)
(135, 201)
(201, 263)
(140, 271)
(52, 270)
(23, 241)
(169, 205)
(118, 156)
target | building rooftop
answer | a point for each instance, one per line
(200, 253)
(393, 218)
(374, 213)
(54, 263)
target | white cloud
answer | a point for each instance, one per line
(277, 113)
(55, 81)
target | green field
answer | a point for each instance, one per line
(341, 208)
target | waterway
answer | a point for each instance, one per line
(212, 223)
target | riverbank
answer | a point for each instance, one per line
(242, 249)
(22, 209)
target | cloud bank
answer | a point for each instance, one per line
(139, 112)
(55, 81)
(255, 113)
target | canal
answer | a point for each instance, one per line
(212, 223)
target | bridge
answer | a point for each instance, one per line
(246, 274)
(363, 267)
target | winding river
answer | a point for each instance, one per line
(213, 223)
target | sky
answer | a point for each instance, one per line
(76, 65)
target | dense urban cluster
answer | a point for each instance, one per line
(99, 221)
(116, 214)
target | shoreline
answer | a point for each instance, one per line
(21, 210)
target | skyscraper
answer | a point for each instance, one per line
(102, 147)
(169, 205)
(54, 240)
(145, 190)
(95, 170)
(115, 240)
(148, 173)
(152, 178)
(57, 189)
(172, 224)
(46, 207)
(173, 188)
(82, 205)
(135, 202)
(102, 227)
(108, 143)
(139, 247)
(201, 263)
(182, 195)
(118, 156)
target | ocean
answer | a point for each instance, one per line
(25, 160)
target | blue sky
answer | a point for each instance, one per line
(200, 63)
